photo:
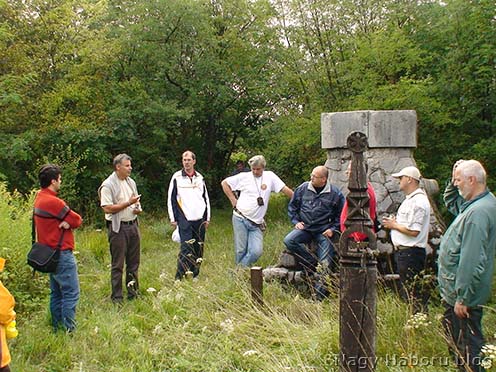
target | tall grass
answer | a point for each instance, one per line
(210, 324)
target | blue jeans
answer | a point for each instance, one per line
(248, 241)
(465, 338)
(295, 242)
(64, 292)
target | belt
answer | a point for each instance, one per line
(132, 222)
(404, 247)
(246, 218)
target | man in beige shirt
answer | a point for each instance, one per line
(120, 201)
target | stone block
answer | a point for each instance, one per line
(337, 126)
(383, 128)
(393, 128)
(287, 260)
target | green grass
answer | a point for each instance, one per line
(210, 324)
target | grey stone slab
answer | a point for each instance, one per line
(393, 128)
(337, 126)
(396, 128)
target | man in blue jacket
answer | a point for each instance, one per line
(466, 261)
(314, 210)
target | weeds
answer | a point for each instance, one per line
(208, 325)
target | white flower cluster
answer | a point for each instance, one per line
(489, 354)
(418, 320)
(227, 325)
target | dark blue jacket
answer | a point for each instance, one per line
(318, 212)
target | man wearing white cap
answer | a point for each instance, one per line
(409, 233)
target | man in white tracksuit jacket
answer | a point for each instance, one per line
(189, 210)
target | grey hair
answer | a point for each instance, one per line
(257, 161)
(473, 168)
(120, 158)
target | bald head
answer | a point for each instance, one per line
(319, 176)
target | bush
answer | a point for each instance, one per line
(15, 241)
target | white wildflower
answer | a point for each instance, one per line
(250, 352)
(227, 325)
(418, 320)
(489, 353)
(131, 283)
(96, 329)
(151, 290)
(486, 363)
(158, 329)
(199, 260)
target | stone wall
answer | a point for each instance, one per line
(392, 137)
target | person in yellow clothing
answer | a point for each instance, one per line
(7, 323)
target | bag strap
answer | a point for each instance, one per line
(33, 229)
(246, 218)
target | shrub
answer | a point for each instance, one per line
(15, 241)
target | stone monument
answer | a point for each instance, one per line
(392, 139)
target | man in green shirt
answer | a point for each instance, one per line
(466, 261)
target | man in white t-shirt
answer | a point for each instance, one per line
(120, 201)
(409, 234)
(249, 209)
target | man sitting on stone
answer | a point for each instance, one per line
(314, 210)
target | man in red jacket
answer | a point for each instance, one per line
(54, 222)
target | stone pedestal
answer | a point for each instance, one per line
(392, 139)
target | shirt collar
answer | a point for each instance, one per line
(48, 191)
(187, 175)
(327, 187)
(415, 192)
(468, 202)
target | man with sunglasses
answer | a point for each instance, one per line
(314, 210)
(409, 234)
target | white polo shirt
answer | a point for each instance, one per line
(415, 214)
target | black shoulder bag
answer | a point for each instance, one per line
(42, 257)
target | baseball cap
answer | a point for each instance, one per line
(408, 172)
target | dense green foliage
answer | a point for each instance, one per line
(81, 81)
(209, 325)
(15, 240)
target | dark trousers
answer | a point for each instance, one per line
(5, 369)
(465, 338)
(124, 248)
(410, 263)
(191, 251)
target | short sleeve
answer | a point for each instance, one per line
(277, 183)
(106, 197)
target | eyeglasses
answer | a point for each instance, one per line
(314, 176)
